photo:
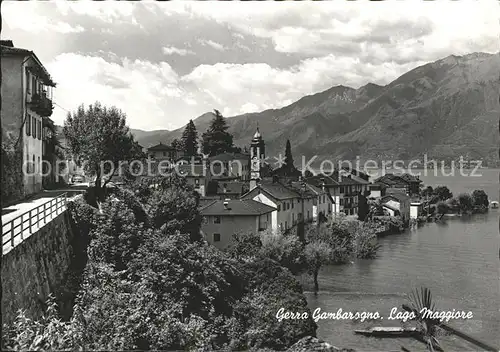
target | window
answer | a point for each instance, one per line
(197, 181)
(324, 198)
(308, 216)
(279, 207)
(341, 202)
(39, 165)
(164, 153)
(267, 217)
(27, 124)
(216, 237)
(286, 225)
(40, 130)
(28, 76)
(293, 218)
(292, 203)
(33, 84)
(341, 189)
(33, 169)
(216, 219)
(33, 126)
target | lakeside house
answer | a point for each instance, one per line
(343, 189)
(397, 203)
(408, 182)
(279, 196)
(26, 108)
(224, 218)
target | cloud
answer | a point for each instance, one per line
(141, 89)
(212, 44)
(173, 50)
(34, 22)
(236, 57)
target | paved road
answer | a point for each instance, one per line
(14, 211)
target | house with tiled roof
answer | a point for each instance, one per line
(397, 199)
(26, 108)
(224, 218)
(410, 183)
(343, 189)
(236, 165)
(231, 189)
(286, 199)
(162, 151)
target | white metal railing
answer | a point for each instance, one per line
(22, 226)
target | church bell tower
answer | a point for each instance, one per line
(257, 156)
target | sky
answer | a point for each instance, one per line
(163, 63)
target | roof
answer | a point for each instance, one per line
(240, 207)
(302, 189)
(8, 49)
(257, 134)
(400, 197)
(160, 147)
(231, 187)
(358, 173)
(390, 207)
(410, 178)
(276, 190)
(204, 201)
(334, 179)
(230, 156)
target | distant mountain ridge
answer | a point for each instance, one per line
(446, 108)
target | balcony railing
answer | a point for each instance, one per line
(41, 104)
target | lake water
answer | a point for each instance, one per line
(458, 260)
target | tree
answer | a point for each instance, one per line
(363, 208)
(465, 201)
(172, 205)
(442, 208)
(176, 144)
(480, 198)
(288, 155)
(443, 193)
(216, 139)
(428, 191)
(189, 139)
(318, 253)
(99, 137)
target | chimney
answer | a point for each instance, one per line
(226, 204)
(300, 178)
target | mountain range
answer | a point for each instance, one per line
(444, 109)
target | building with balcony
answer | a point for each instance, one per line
(26, 101)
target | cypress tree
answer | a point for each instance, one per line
(189, 139)
(288, 156)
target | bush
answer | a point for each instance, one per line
(48, 334)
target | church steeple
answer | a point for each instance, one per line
(257, 156)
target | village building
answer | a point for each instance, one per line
(397, 203)
(26, 101)
(283, 198)
(231, 165)
(222, 219)
(162, 151)
(410, 183)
